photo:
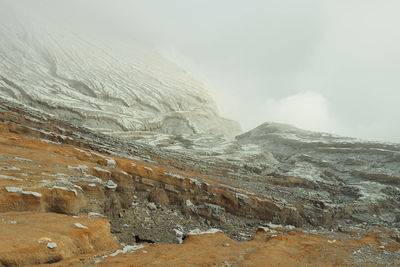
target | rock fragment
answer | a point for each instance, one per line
(151, 206)
(111, 185)
(12, 189)
(51, 245)
(80, 226)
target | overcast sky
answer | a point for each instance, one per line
(320, 65)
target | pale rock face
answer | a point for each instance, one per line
(101, 86)
(308, 155)
(282, 160)
(136, 94)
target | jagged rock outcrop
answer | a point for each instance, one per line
(109, 181)
(360, 179)
(338, 179)
(51, 167)
(262, 189)
(308, 178)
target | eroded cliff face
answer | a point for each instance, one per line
(359, 179)
(72, 196)
(114, 150)
(337, 180)
(100, 86)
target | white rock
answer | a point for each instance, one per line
(36, 194)
(77, 186)
(271, 225)
(12, 189)
(51, 245)
(189, 203)
(290, 227)
(111, 162)
(111, 185)
(101, 170)
(126, 249)
(80, 226)
(95, 214)
(10, 178)
(199, 232)
(79, 167)
(151, 206)
(179, 235)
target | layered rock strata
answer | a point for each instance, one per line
(57, 181)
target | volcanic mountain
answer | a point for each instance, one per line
(112, 154)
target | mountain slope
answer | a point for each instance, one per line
(92, 84)
(140, 96)
(58, 181)
(344, 180)
(340, 171)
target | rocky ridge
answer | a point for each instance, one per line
(107, 153)
(340, 180)
(148, 108)
(149, 194)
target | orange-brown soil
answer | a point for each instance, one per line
(49, 189)
(25, 237)
(286, 249)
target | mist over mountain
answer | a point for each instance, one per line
(113, 150)
(106, 86)
(319, 65)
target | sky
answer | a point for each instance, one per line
(320, 65)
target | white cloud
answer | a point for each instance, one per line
(307, 110)
(345, 52)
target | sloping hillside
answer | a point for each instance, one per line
(96, 85)
(60, 183)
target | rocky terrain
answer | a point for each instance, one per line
(342, 180)
(116, 156)
(72, 196)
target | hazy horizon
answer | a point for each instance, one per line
(319, 65)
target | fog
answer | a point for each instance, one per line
(320, 65)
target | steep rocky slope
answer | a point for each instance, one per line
(340, 172)
(340, 180)
(106, 150)
(58, 181)
(97, 85)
